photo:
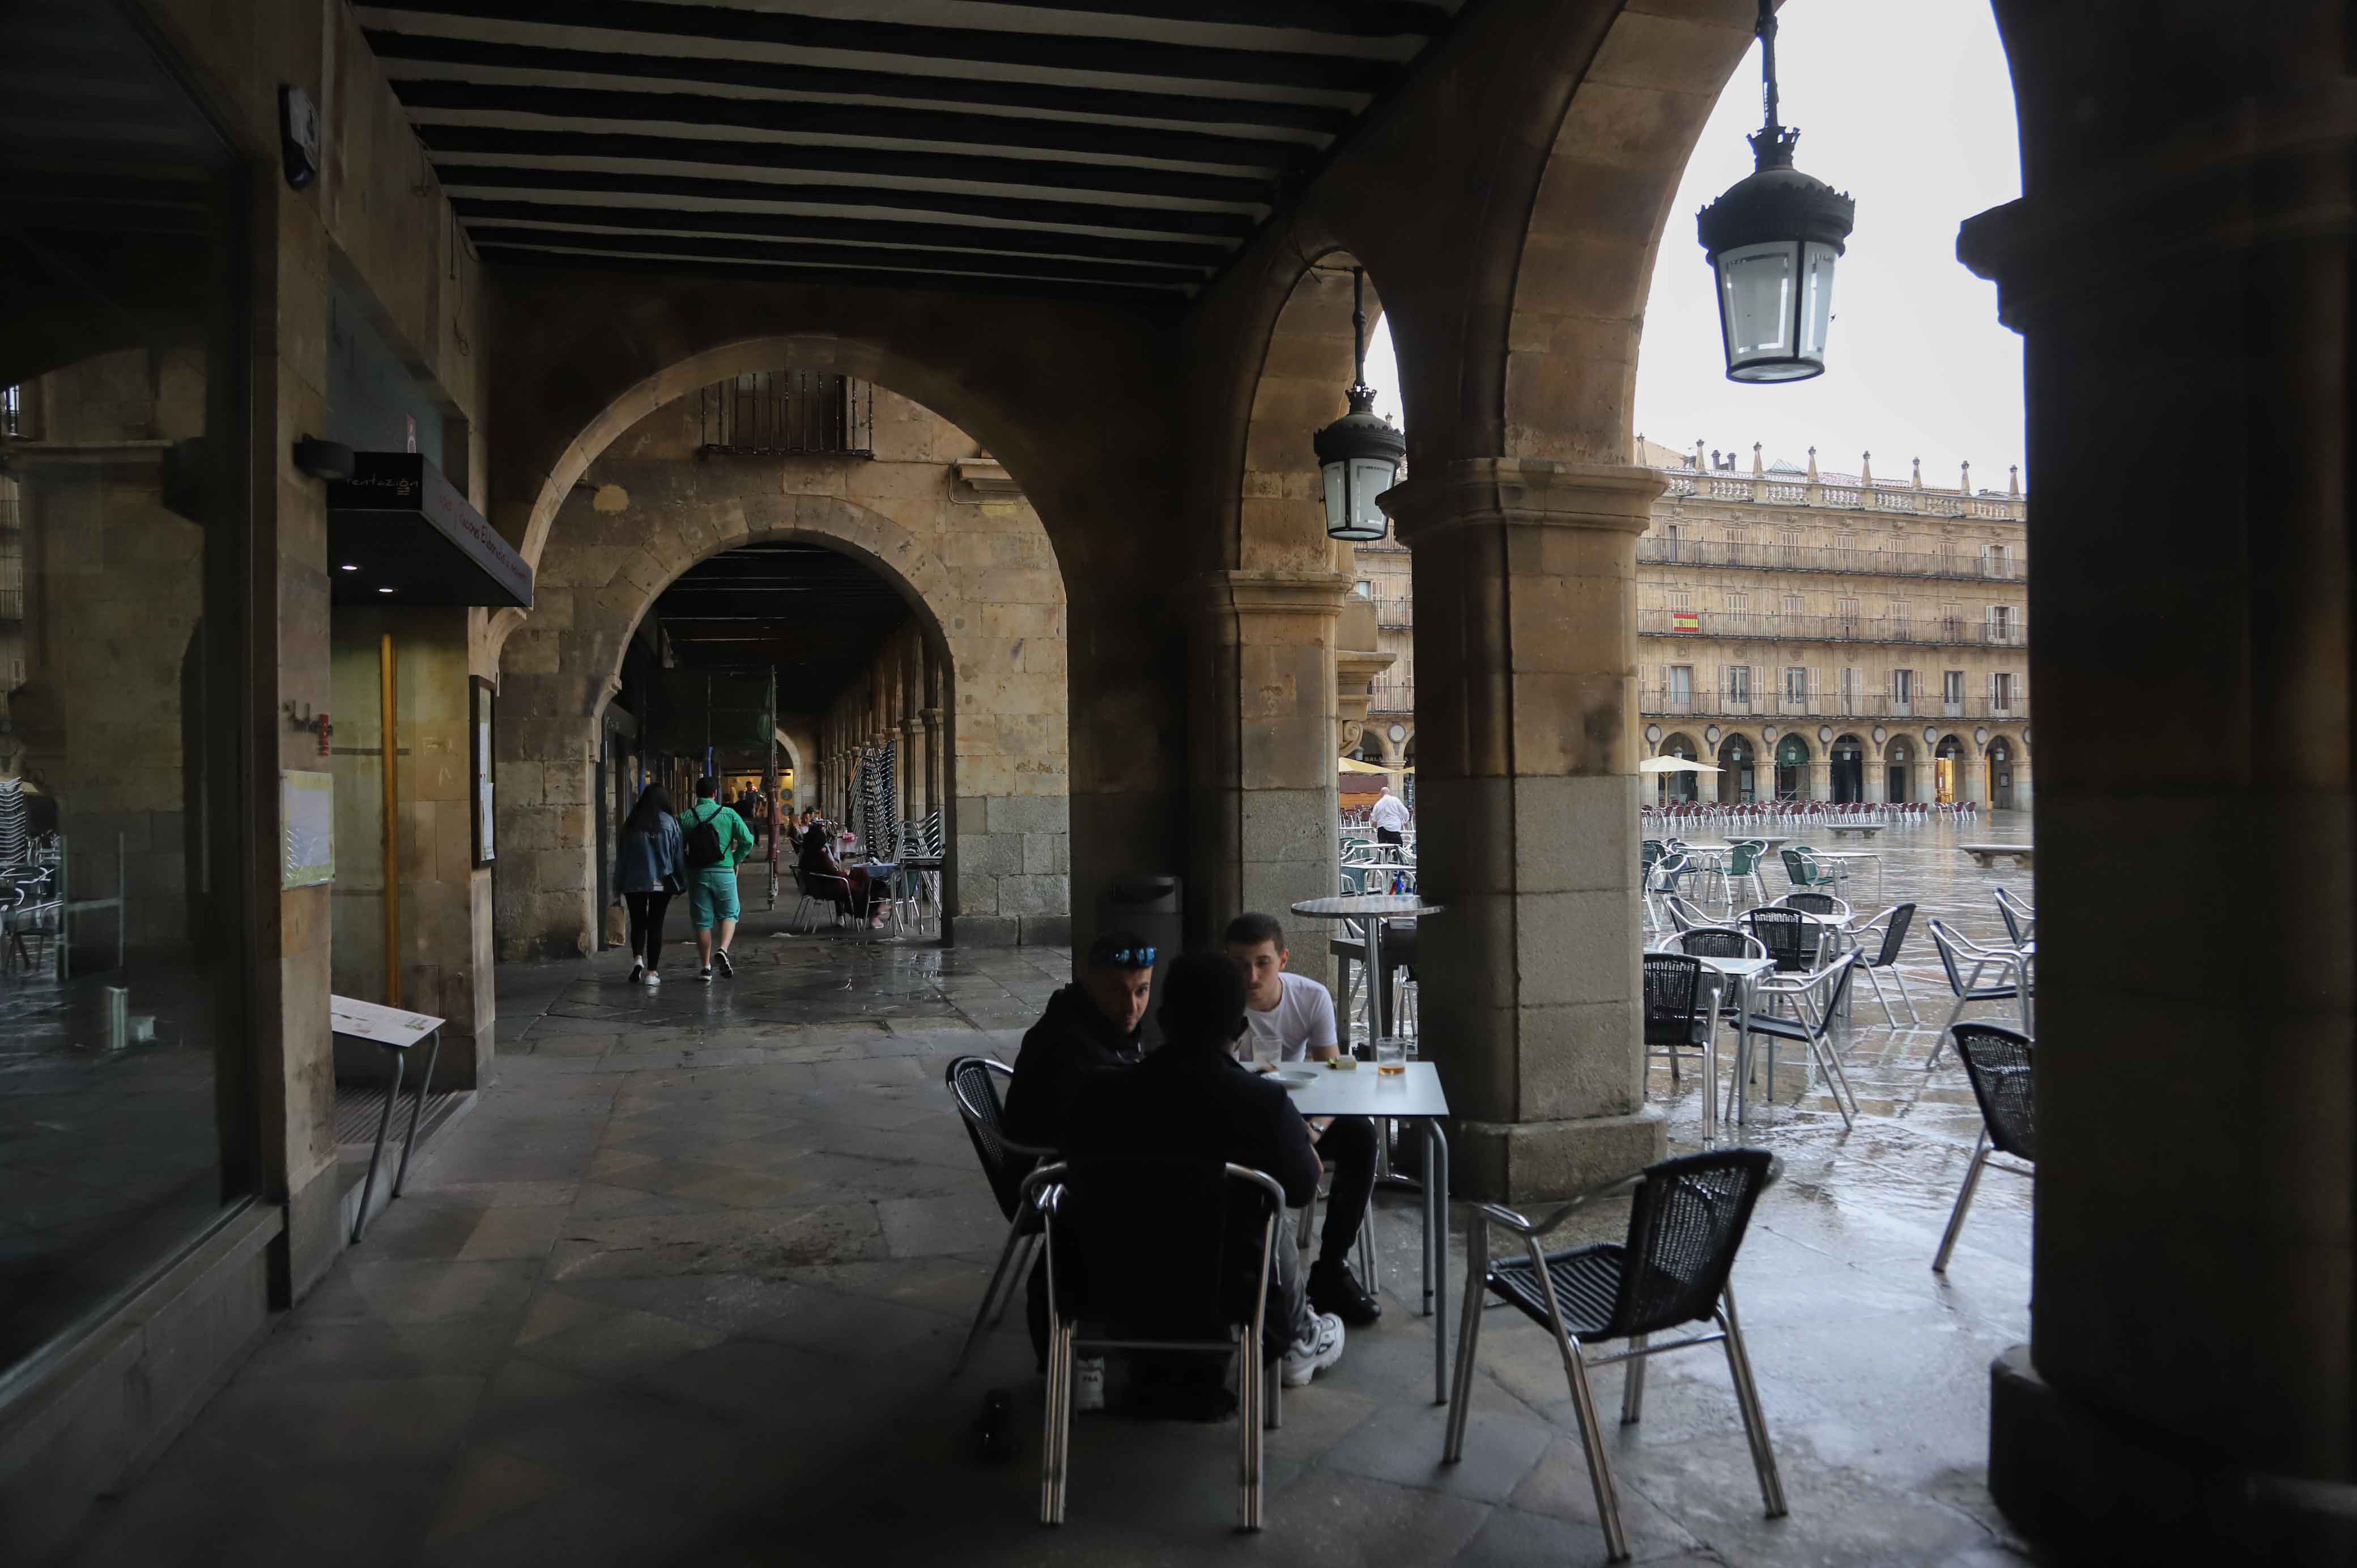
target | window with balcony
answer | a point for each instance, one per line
(1902, 691)
(1952, 692)
(1853, 686)
(1846, 608)
(2001, 692)
(1739, 601)
(1796, 684)
(1996, 559)
(1738, 683)
(768, 413)
(1680, 690)
(1670, 542)
(1792, 604)
(1679, 599)
(2003, 625)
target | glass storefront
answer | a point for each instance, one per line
(125, 1119)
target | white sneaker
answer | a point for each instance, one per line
(1311, 1356)
(1088, 1383)
(653, 979)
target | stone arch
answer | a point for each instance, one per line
(1004, 741)
(1730, 782)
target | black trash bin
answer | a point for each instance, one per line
(1154, 906)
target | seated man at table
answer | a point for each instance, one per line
(1290, 1017)
(1192, 1098)
(1090, 1026)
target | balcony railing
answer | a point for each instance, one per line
(1786, 491)
(1776, 626)
(1395, 612)
(1658, 702)
(1390, 694)
(1656, 550)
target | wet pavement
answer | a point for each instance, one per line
(686, 1286)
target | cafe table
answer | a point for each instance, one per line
(1411, 1096)
(1374, 909)
(1737, 975)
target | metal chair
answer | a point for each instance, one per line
(1177, 1255)
(1686, 917)
(1890, 926)
(1955, 951)
(1999, 1061)
(1793, 938)
(1814, 1027)
(973, 1084)
(1687, 1222)
(1743, 866)
(2020, 919)
(1804, 870)
(1820, 904)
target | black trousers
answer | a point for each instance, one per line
(1389, 835)
(646, 924)
(1349, 1146)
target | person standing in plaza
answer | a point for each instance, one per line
(715, 838)
(1390, 817)
(650, 869)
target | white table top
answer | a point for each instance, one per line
(1359, 906)
(394, 1027)
(1366, 1093)
(1771, 840)
(1845, 854)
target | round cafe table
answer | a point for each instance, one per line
(1374, 909)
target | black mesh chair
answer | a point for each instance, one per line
(973, 1084)
(1677, 1007)
(1821, 997)
(1792, 937)
(1167, 1255)
(1683, 915)
(1878, 943)
(1824, 904)
(1999, 1061)
(1955, 952)
(1687, 1222)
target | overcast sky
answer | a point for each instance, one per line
(1906, 105)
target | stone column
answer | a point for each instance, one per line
(1875, 768)
(1821, 769)
(935, 786)
(1973, 785)
(1526, 755)
(2189, 1388)
(1264, 790)
(910, 771)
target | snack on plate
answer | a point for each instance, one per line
(1345, 1063)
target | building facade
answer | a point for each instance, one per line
(1816, 636)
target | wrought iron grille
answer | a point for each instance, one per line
(775, 413)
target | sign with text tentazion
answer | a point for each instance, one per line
(399, 532)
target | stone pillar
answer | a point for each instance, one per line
(1974, 787)
(2189, 1390)
(935, 786)
(1821, 769)
(1875, 768)
(1526, 744)
(910, 771)
(1265, 780)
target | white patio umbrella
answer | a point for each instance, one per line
(1675, 765)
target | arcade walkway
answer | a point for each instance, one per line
(684, 1286)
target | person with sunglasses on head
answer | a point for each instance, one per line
(1090, 1026)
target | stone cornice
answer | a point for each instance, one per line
(986, 480)
(1318, 594)
(1613, 498)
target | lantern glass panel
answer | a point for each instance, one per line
(1338, 510)
(1756, 284)
(1368, 478)
(1816, 300)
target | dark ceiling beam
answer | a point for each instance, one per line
(775, 76)
(800, 228)
(1009, 213)
(659, 259)
(883, 257)
(1126, 57)
(970, 168)
(802, 117)
(1349, 18)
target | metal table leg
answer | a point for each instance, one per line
(1436, 1243)
(383, 1125)
(416, 1110)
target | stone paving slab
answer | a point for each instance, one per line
(686, 1289)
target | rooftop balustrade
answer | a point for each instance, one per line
(1779, 626)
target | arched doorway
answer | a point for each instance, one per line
(1899, 759)
(1948, 765)
(1681, 787)
(1736, 779)
(1848, 768)
(1792, 768)
(2000, 775)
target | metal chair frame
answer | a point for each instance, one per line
(1257, 1383)
(1984, 1147)
(1815, 1027)
(2020, 919)
(1026, 1223)
(1968, 989)
(1891, 928)
(1573, 1347)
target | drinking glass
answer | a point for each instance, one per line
(1390, 1058)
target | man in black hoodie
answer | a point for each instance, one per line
(1090, 1027)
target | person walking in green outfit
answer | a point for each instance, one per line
(716, 839)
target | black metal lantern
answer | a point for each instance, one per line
(1359, 453)
(1773, 241)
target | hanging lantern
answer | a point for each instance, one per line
(1360, 454)
(1773, 240)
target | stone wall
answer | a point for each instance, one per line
(929, 513)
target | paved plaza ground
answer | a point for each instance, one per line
(685, 1288)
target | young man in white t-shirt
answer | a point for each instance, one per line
(1290, 1017)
